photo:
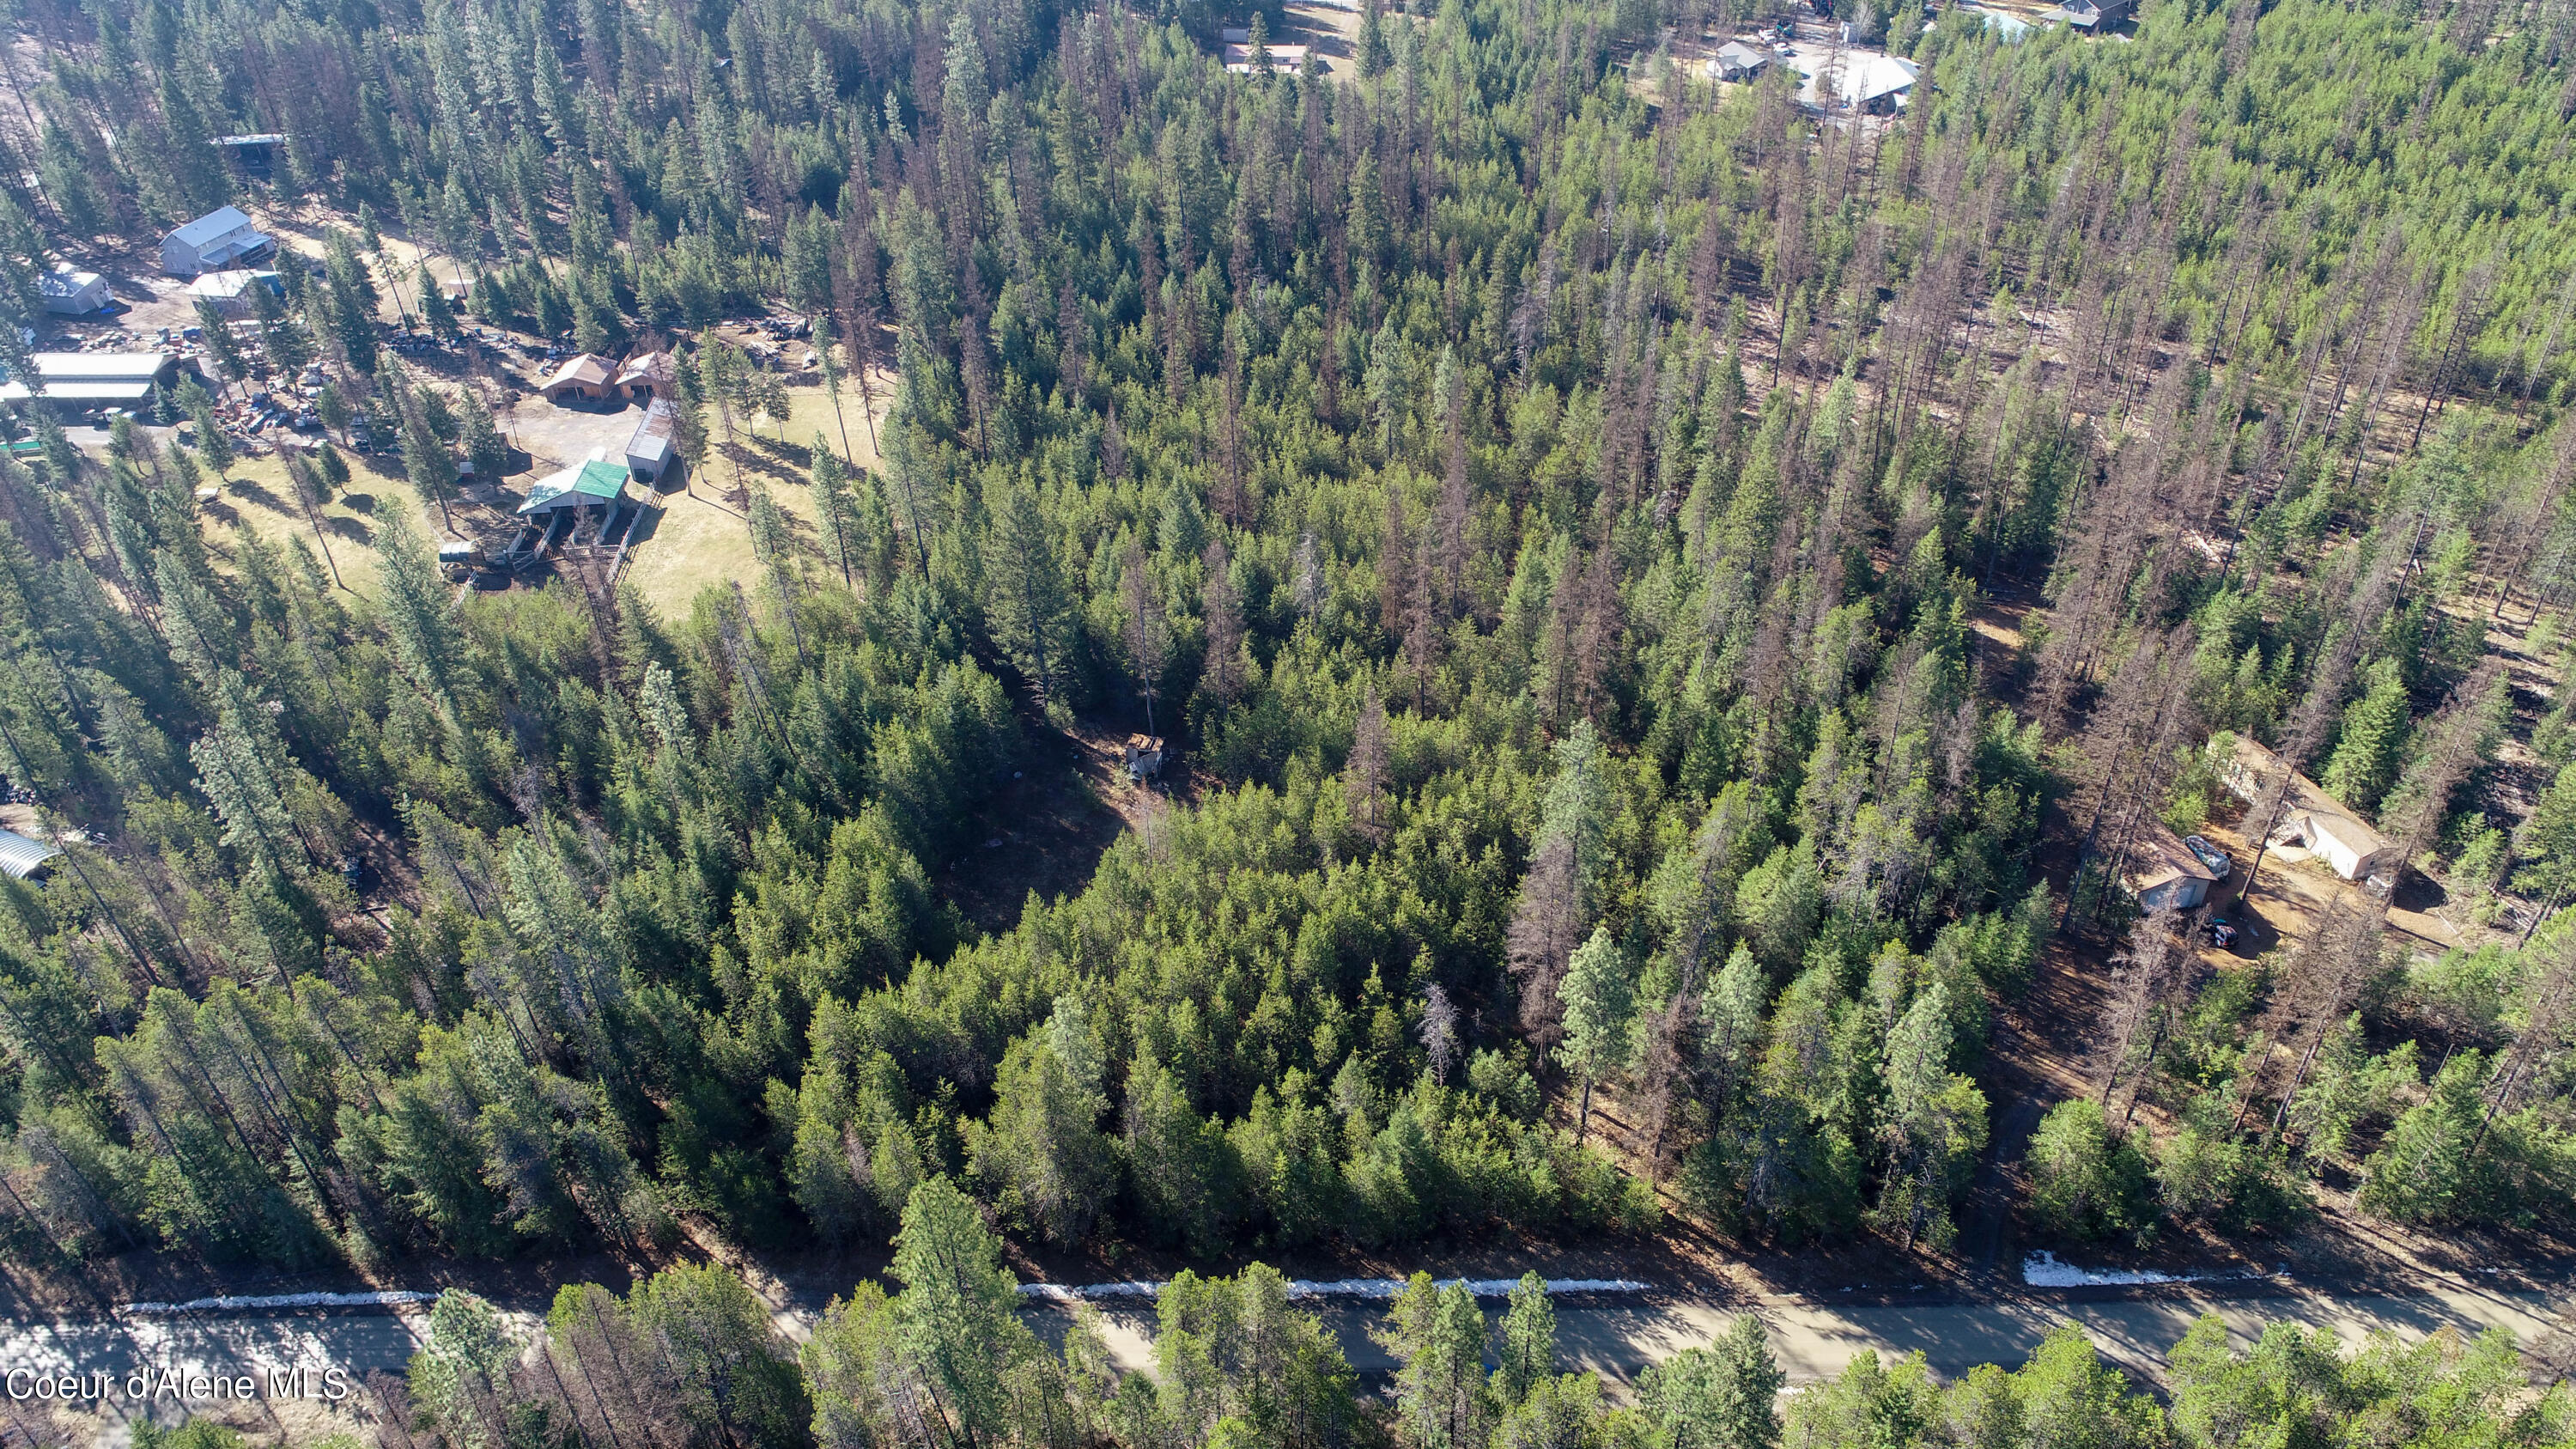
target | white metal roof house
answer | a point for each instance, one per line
(594, 482)
(2310, 818)
(1856, 80)
(69, 293)
(219, 239)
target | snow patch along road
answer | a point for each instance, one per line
(1378, 1288)
(382, 1298)
(2042, 1270)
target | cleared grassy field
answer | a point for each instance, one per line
(686, 540)
(256, 495)
(702, 537)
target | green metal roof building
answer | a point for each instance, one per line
(597, 481)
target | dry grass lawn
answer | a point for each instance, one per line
(701, 536)
(256, 495)
(686, 540)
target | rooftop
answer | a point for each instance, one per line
(228, 284)
(56, 367)
(596, 481)
(215, 225)
(2160, 856)
(1282, 57)
(63, 280)
(652, 438)
(647, 367)
(21, 856)
(1852, 77)
(589, 367)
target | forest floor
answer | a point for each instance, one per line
(1044, 831)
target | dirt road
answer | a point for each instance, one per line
(1813, 1339)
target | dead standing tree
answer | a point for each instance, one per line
(2325, 975)
(2143, 717)
(2158, 972)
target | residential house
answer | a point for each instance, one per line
(2309, 818)
(2090, 16)
(586, 378)
(648, 375)
(596, 483)
(1866, 82)
(1738, 61)
(221, 238)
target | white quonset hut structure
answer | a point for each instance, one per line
(22, 858)
(224, 237)
(69, 293)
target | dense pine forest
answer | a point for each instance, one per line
(1670, 612)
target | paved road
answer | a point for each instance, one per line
(1813, 1339)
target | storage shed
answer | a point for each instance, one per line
(2163, 873)
(230, 290)
(649, 451)
(69, 293)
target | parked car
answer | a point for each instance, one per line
(2210, 855)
